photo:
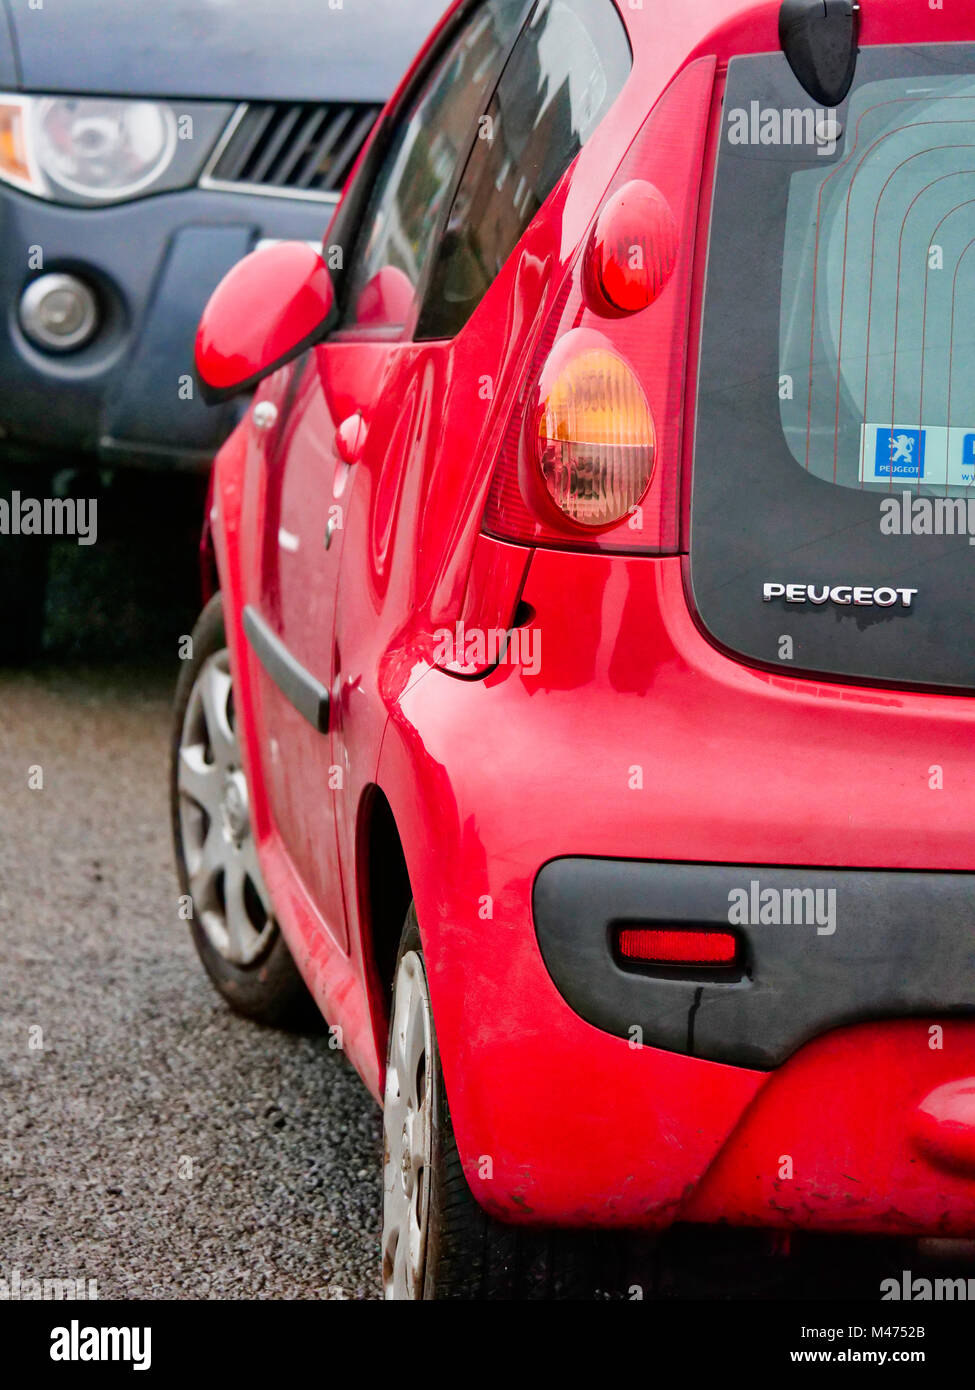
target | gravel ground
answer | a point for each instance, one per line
(154, 1141)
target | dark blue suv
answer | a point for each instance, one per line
(144, 149)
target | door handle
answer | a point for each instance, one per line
(350, 438)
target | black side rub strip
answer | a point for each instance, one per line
(298, 686)
(897, 944)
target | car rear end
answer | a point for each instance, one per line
(744, 848)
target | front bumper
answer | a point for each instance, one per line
(128, 397)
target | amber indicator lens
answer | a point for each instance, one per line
(14, 162)
(596, 438)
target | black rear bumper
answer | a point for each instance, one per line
(903, 944)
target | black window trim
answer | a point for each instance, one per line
(423, 289)
(346, 228)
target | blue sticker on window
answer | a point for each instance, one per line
(968, 451)
(900, 453)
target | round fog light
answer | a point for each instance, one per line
(58, 312)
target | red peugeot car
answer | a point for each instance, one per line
(581, 718)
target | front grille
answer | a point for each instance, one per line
(292, 146)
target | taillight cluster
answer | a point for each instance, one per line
(591, 457)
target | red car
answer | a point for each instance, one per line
(582, 717)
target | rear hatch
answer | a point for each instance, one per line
(833, 502)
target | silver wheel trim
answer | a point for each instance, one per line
(407, 1134)
(229, 896)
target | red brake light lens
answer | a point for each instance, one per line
(677, 946)
(634, 246)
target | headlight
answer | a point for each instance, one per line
(104, 149)
(95, 148)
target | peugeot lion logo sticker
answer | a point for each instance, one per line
(859, 595)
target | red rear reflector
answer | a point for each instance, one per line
(667, 946)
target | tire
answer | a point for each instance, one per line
(232, 922)
(463, 1253)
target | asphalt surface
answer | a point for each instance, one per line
(154, 1142)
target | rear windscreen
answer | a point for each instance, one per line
(833, 511)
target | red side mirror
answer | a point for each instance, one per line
(265, 312)
(386, 299)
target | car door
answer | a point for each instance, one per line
(321, 418)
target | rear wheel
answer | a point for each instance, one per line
(437, 1243)
(232, 924)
